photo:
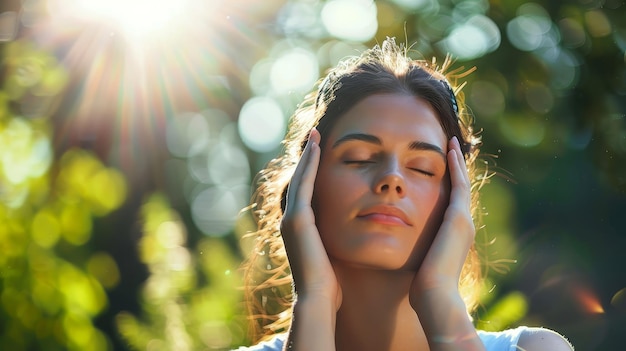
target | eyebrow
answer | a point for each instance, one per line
(372, 139)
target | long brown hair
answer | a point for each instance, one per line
(386, 68)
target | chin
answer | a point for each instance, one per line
(392, 261)
(375, 250)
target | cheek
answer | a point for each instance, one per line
(442, 200)
(323, 187)
(334, 197)
(431, 200)
(331, 188)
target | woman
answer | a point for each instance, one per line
(376, 218)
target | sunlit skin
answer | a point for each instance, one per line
(381, 257)
(385, 155)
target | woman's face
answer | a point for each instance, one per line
(382, 186)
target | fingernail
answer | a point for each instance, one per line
(313, 133)
(310, 139)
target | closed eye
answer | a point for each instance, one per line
(427, 173)
(357, 162)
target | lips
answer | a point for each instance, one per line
(385, 214)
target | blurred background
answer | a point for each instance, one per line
(130, 132)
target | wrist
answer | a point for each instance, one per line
(433, 298)
(312, 324)
(440, 291)
(316, 301)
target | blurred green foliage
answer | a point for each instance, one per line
(180, 313)
(52, 283)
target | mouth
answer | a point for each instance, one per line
(385, 214)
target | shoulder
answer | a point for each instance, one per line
(505, 340)
(542, 339)
(524, 338)
(275, 343)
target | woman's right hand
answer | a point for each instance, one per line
(312, 273)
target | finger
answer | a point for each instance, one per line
(458, 215)
(461, 158)
(459, 177)
(305, 170)
(310, 172)
(459, 161)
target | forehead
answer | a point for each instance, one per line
(394, 118)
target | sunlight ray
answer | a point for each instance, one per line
(136, 64)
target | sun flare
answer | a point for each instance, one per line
(137, 63)
(136, 19)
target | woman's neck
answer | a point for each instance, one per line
(375, 313)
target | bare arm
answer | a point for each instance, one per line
(312, 325)
(445, 321)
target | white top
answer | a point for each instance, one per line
(494, 341)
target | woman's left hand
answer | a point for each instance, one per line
(441, 268)
(434, 293)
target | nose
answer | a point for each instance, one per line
(390, 179)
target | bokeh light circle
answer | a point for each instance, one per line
(261, 124)
(214, 210)
(573, 34)
(301, 18)
(565, 70)
(334, 51)
(26, 152)
(526, 31)
(260, 76)
(524, 131)
(476, 37)
(187, 134)
(350, 19)
(295, 70)
(228, 165)
(424, 6)
(539, 98)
